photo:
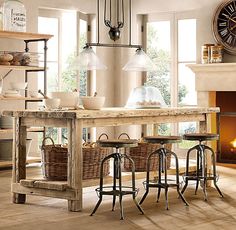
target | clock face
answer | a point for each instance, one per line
(224, 25)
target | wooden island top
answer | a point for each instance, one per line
(93, 118)
(75, 121)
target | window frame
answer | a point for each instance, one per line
(58, 13)
(173, 18)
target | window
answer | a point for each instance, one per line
(62, 49)
(159, 48)
(171, 42)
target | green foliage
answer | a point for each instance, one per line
(69, 75)
(161, 77)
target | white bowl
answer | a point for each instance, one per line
(52, 103)
(18, 85)
(93, 102)
(68, 99)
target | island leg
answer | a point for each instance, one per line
(76, 162)
(18, 158)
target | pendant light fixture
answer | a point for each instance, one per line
(87, 59)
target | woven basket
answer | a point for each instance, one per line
(54, 161)
(139, 155)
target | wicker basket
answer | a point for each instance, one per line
(54, 161)
(139, 155)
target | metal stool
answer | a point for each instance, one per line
(162, 153)
(201, 174)
(117, 190)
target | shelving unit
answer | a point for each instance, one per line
(27, 38)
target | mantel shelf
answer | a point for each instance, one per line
(214, 67)
(214, 77)
(24, 35)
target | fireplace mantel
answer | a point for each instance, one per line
(212, 80)
(214, 77)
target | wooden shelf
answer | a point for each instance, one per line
(20, 67)
(35, 129)
(5, 131)
(6, 134)
(31, 129)
(2, 98)
(23, 35)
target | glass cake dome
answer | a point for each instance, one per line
(145, 97)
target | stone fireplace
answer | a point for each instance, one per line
(216, 86)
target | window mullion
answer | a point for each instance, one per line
(60, 53)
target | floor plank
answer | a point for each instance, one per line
(41, 213)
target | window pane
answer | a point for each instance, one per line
(186, 86)
(158, 48)
(52, 81)
(82, 73)
(187, 127)
(187, 40)
(49, 26)
(68, 51)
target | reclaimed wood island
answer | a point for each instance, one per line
(75, 121)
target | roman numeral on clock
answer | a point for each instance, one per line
(222, 24)
(226, 15)
(229, 39)
(224, 32)
(231, 8)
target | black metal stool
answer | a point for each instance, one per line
(117, 190)
(201, 174)
(165, 182)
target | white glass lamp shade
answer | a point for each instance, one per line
(140, 62)
(88, 60)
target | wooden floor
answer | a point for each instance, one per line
(47, 213)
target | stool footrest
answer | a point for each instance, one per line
(108, 190)
(156, 184)
(209, 176)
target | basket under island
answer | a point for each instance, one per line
(75, 121)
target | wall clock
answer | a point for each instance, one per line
(224, 25)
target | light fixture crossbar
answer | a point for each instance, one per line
(114, 45)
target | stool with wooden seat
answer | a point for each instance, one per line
(117, 189)
(201, 174)
(164, 183)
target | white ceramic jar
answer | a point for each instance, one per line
(14, 16)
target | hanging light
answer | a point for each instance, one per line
(140, 62)
(88, 60)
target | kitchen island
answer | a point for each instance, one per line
(75, 121)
